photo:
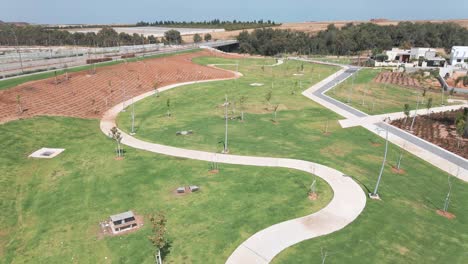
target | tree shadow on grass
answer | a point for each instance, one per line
(166, 250)
(359, 182)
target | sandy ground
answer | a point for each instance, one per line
(88, 95)
(314, 27)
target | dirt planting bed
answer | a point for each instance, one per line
(88, 95)
(403, 79)
(438, 128)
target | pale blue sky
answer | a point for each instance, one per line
(130, 11)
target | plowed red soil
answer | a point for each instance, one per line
(403, 79)
(438, 128)
(87, 95)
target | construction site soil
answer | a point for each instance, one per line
(88, 95)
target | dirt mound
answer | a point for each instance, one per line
(88, 95)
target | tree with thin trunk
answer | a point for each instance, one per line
(168, 104)
(275, 111)
(400, 157)
(242, 101)
(423, 96)
(18, 102)
(447, 198)
(156, 91)
(406, 111)
(268, 97)
(117, 136)
(158, 236)
(326, 126)
(429, 105)
(313, 186)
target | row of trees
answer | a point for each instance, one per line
(215, 23)
(11, 35)
(352, 39)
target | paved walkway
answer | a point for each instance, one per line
(347, 203)
(437, 156)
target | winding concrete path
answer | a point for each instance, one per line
(347, 203)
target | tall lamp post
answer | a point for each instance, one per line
(374, 194)
(226, 104)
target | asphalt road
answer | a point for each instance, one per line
(427, 146)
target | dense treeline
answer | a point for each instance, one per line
(215, 23)
(35, 35)
(352, 39)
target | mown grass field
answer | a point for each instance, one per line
(50, 209)
(379, 98)
(402, 228)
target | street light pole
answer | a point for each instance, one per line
(375, 194)
(226, 103)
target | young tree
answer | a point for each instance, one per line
(156, 91)
(18, 102)
(268, 97)
(429, 105)
(242, 100)
(116, 135)
(207, 37)
(158, 236)
(168, 104)
(406, 110)
(423, 95)
(275, 111)
(447, 198)
(313, 186)
(197, 38)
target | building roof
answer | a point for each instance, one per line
(121, 216)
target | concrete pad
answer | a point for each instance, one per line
(46, 153)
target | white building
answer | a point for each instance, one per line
(426, 53)
(397, 54)
(459, 55)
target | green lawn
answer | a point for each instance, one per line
(377, 98)
(8, 83)
(340, 60)
(402, 228)
(50, 209)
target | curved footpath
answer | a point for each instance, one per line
(348, 200)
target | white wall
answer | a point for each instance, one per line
(459, 53)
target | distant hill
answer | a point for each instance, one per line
(19, 24)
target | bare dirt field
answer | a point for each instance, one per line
(451, 81)
(314, 27)
(439, 129)
(407, 80)
(88, 95)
